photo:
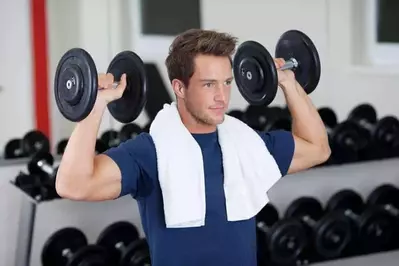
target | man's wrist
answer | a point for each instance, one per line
(288, 86)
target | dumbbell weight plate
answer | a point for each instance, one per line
(328, 116)
(386, 132)
(33, 168)
(255, 73)
(286, 241)
(118, 232)
(13, 149)
(61, 146)
(127, 108)
(100, 146)
(67, 238)
(237, 114)
(129, 131)
(35, 141)
(75, 84)
(110, 138)
(363, 111)
(90, 255)
(305, 206)
(383, 195)
(333, 234)
(136, 254)
(296, 44)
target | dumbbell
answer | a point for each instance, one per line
(279, 241)
(383, 133)
(237, 114)
(262, 118)
(331, 233)
(41, 164)
(76, 85)
(122, 240)
(31, 185)
(110, 138)
(255, 70)
(386, 197)
(99, 148)
(69, 247)
(346, 141)
(372, 225)
(32, 142)
(129, 131)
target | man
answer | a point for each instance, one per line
(200, 71)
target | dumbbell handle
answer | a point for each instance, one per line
(291, 63)
(364, 123)
(67, 253)
(391, 209)
(120, 246)
(48, 169)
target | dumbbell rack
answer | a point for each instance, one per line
(318, 182)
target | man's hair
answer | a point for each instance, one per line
(193, 42)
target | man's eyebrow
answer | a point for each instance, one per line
(215, 80)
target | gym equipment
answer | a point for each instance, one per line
(129, 131)
(126, 248)
(69, 247)
(237, 114)
(264, 118)
(76, 85)
(13, 149)
(383, 134)
(330, 232)
(346, 141)
(110, 138)
(280, 241)
(61, 146)
(255, 70)
(386, 197)
(373, 226)
(31, 185)
(35, 141)
(100, 146)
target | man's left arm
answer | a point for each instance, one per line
(308, 130)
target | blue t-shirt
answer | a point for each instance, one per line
(219, 242)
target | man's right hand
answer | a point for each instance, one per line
(106, 92)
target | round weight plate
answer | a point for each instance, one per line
(332, 235)
(127, 108)
(110, 138)
(100, 146)
(61, 146)
(13, 149)
(296, 44)
(363, 112)
(129, 131)
(328, 116)
(90, 255)
(35, 141)
(140, 258)
(255, 73)
(67, 239)
(385, 131)
(269, 215)
(287, 239)
(132, 252)
(33, 167)
(279, 124)
(76, 84)
(383, 195)
(305, 206)
(345, 199)
(378, 229)
(116, 234)
(237, 114)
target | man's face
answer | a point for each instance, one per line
(208, 94)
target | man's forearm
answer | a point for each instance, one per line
(77, 164)
(306, 121)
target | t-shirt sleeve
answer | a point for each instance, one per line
(281, 145)
(129, 156)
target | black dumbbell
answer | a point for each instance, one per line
(386, 197)
(279, 241)
(69, 247)
(35, 141)
(110, 138)
(383, 133)
(346, 141)
(99, 148)
(123, 243)
(13, 149)
(373, 226)
(331, 233)
(236, 113)
(129, 131)
(262, 118)
(31, 185)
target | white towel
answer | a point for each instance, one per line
(249, 169)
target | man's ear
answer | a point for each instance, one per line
(178, 88)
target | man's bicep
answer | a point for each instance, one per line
(281, 146)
